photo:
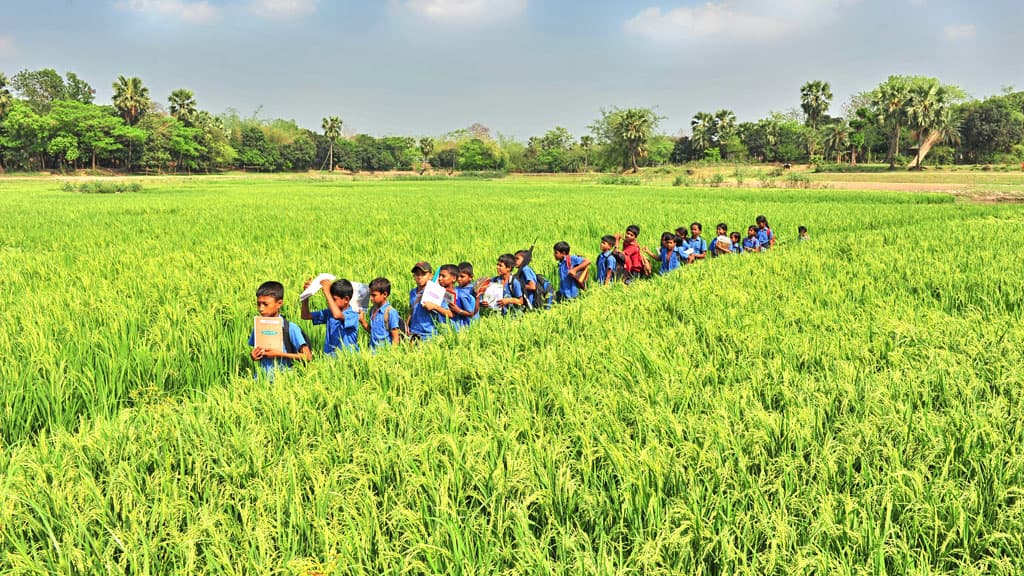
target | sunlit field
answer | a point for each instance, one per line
(847, 405)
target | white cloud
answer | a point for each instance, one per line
(200, 12)
(283, 9)
(467, 11)
(6, 46)
(960, 32)
(734, 20)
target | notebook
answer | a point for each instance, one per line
(269, 332)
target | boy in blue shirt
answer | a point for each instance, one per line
(467, 306)
(341, 320)
(571, 272)
(447, 277)
(751, 243)
(696, 248)
(527, 277)
(670, 256)
(512, 298)
(269, 298)
(424, 316)
(606, 263)
(385, 323)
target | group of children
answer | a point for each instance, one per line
(521, 289)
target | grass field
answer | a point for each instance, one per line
(848, 405)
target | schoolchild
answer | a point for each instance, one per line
(802, 233)
(606, 264)
(764, 233)
(572, 272)
(669, 256)
(467, 306)
(751, 243)
(697, 247)
(527, 277)
(385, 323)
(722, 244)
(682, 239)
(269, 298)
(424, 317)
(737, 243)
(342, 322)
(512, 299)
(636, 265)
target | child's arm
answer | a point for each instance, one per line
(336, 312)
(363, 321)
(396, 336)
(431, 307)
(583, 265)
(304, 354)
(513, 299)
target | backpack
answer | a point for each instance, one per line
(619, 274)
(403, 330)
(289, 346)
(543, 296)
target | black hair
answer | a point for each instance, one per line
(734, 234)
(449, 268)
(634, 229)
(527, 256)
(666, 236)
(341, 288)
(271, 288)
(760, 219)
(723, 226)
(381, 285)
(682, 231)
(751, 228)
(801, 229)
(466, 268)
(562, 247)
(508, 260)
(697, 224)
(609, 239)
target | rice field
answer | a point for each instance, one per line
(848, 405)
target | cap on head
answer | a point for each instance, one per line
(422, 267)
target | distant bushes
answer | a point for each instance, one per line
(97, 187)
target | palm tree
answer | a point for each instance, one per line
(183, 105)
(703, 126)
(837, 137)
(5, 96)
(815, 98)
(131, 98)
(890, 103)
(332, 130)
(634, 127)
(725, 125)
(943, 127)
(586, 144)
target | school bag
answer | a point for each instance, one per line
(619, 274)
(543, 296)
(403, 330)
(289, 346)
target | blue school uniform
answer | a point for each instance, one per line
(269, 365)
(344, 332)
(751, 244)
(512, 289)
(698, 245)
(465, 299)
(606, 262)
(422, 323)
(382, 321)
(527, 275)
(670, 260)
(737, 248)
(567, 287)
(764, 236)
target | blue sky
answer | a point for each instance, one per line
(521, 67)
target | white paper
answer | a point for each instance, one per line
(314, 286)
(688, 251)
(433, 293)
(494, 292)
(360, 297)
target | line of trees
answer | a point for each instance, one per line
(50, 122)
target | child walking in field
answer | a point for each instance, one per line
(572, 272)
(269, 299)
(342, 322)
(467, 306)
(636, 265)
(424, 317)
(385, 323)
(751, 243)
(765, 236)
(527, 277)
(697, 248)
(722, 243)
(737, 243)
(512, 299)
(606, 263)
(669, 256)
(802, 233)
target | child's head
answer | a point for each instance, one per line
(506, 262)
(269, 297)
(341, 291)
(696, 229)
(751, 231)
(735, 236)
(802, 230)
(668, 240)
(561, 250)
(522, 258)
(465, 274)
(722, 229)
(421, 273)
(380, 290)
(447, 275)
(607, 242)
(762, 222)
(682, 232)
(632, 233)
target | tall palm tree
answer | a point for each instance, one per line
(703, 126)
(725, 125)
(815, 98)
(586, 144)
(183, 105)
(890, 102)
(332, 130)
(943, 127)
(5, 97)
(635, 126)
(131, 98)
(837, 137)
